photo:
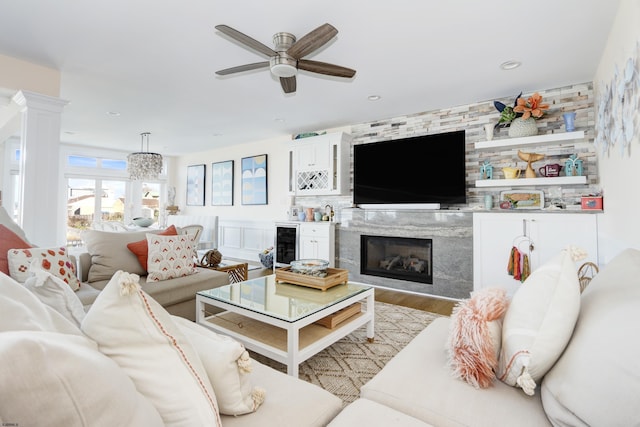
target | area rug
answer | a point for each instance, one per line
(348, 364)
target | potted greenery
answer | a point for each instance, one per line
(521, 118)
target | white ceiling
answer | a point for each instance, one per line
(154, 62)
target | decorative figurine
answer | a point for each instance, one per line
(530, 158)
(573, 166)
(486, 170)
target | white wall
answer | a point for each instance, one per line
(619, 176)
(277, 177)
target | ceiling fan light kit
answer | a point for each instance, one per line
(287, 58)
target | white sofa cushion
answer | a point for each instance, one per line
(228, 367)
(418, 382)
(290, 402)
(140, 336)
(364, 412)
(55, 293)
(54, 379)
(539, 321)
(21, 310)
(596, 381)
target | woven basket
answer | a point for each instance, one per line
(586, 272)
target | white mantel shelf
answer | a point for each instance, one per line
(551, 138)
(521, 182)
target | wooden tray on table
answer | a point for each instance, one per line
(334, 277)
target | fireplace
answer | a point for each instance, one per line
(403, 258)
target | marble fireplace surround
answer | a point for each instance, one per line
(450, 230)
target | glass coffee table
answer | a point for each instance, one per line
(278, 320)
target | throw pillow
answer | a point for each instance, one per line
(228, 366)
(139, 335)
(109, 253)
(53, 260)
(23, 311)
(54, 379)
(9, 223)
(475, 336)
(141, 247)
(596, 381)
(540, 321)
(170, 257)
(55, 293)
(9, 240)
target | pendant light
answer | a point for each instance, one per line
(143, 164)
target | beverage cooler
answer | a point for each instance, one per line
(287, 244)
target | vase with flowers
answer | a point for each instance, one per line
(521, 118)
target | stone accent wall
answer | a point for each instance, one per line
(472, 118)
(453, 278)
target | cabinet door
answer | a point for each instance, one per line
(317, 240)
(312, 156)
(493, 237)
(554, 232)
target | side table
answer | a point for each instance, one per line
(237, 272)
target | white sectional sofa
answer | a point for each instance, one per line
(56, 370)
(595, 381)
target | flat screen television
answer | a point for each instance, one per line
(424, 170)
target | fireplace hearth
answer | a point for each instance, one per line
(403, 258)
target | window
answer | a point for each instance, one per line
(99, 189)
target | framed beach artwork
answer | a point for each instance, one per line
(195, 185)
(222, 183)
(254, 180)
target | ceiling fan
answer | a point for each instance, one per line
(287, 57)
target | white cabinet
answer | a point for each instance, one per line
(494, 234)
(319, 165)
(317, 240)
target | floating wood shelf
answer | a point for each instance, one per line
(522, 182)
(551, 138)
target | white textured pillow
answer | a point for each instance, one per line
(54, 379)
(140, 336)
(170, 257)
(55, 293)
(539, 321)
(228, 366)
(605, 338)
(53, 260)
(21, 310)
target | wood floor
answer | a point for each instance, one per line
(420, 302)
(390, 296)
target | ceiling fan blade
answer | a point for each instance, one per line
(246, 40)
(288, 84)
(241, 68)
(312, 41)
(324, 68)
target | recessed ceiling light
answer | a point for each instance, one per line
(70, 132)
(216, 134)
(279, 120)
(510, 65)
(374, 97)
(113, 113)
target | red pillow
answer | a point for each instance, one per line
(9, 240)
(141, 247)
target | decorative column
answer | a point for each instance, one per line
(42, 204)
